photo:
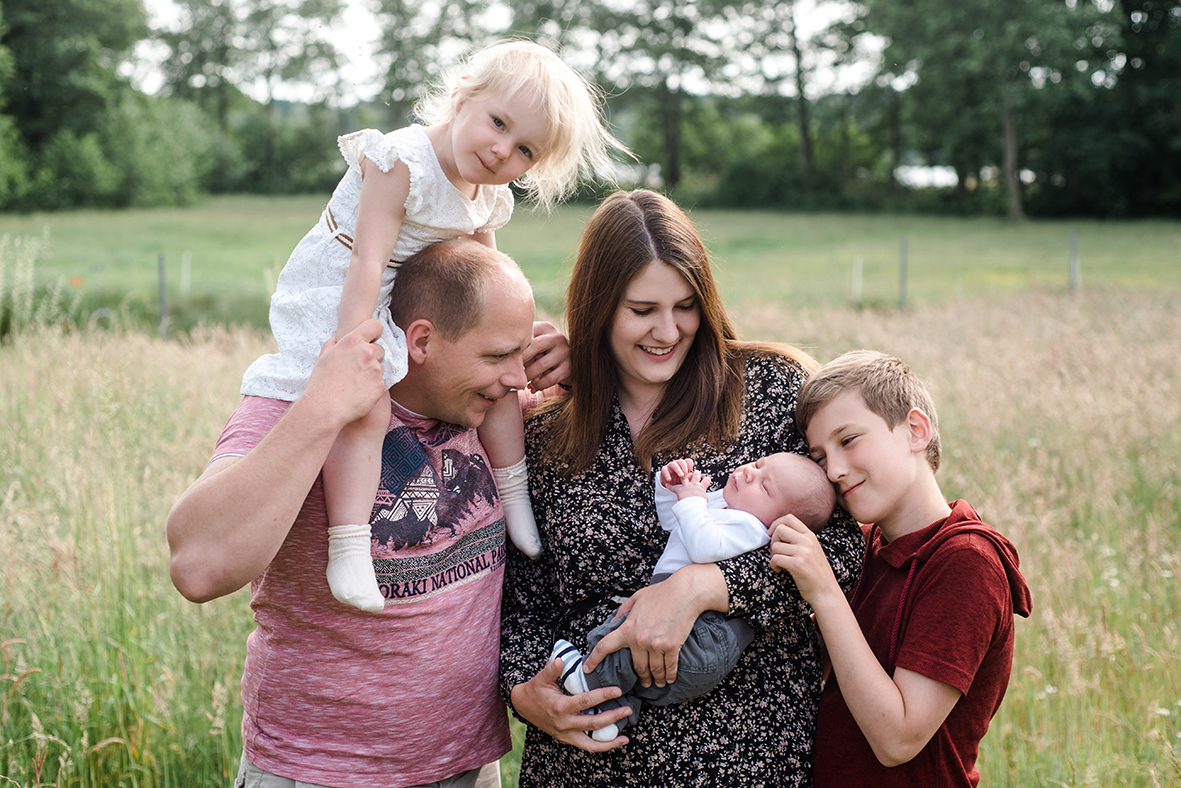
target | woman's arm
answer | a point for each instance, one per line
(380, 212)
(659, 620)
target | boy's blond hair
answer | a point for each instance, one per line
(886, 383)
(577, 145)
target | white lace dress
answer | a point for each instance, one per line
(306, 302)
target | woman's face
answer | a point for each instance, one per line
(654, 326)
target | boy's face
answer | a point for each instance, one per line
(764, 488)
(871, 464)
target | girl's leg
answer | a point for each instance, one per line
(352, 473)
(503, 436)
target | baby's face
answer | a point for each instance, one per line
(765, 487)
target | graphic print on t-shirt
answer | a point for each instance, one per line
(419, 507)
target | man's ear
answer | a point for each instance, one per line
(419, 336)
(919, 431)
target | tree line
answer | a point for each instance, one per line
(1038, 107)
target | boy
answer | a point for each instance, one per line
(703, 527)
(920, 655)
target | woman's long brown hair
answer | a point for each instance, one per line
(704, 400)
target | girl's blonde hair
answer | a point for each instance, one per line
(578, 145)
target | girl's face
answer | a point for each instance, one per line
(653, 328)
(495, 141)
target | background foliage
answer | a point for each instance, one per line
(1045, 107)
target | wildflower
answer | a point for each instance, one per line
(1162, 711)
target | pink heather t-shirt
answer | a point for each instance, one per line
(339, 697)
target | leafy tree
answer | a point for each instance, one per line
(984, 64)
(65, 56)
(202, 53)
(1112, 144)
(12, 150)
(420, 39)
(288, 41)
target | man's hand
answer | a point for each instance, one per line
(547, 359)
(347, 378)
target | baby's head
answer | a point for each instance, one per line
(781, 484)
(537, 80)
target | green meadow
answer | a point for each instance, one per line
(235, 247)
(1059, 412)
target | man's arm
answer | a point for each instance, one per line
(225, 529)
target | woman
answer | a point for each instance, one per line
(657, 373)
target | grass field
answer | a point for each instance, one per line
(1060, 422)
(237, 245)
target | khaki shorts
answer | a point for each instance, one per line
(250, 776)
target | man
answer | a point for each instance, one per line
(332, 695)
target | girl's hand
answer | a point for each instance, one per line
(547, 359)
(541, 701)
(794, 547)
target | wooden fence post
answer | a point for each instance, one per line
(163, 299)
(1076, 274)
(902, 262)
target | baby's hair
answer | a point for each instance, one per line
(813, 494)
(578, 144)
(885, 383)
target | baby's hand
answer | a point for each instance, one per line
(693, 485)
(674, 473)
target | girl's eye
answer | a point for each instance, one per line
(497, 122)
(528, 154)
(848, 440)
(687, 307)
(641, 312)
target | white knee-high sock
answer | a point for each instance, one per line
(513, 485)
(350, 568)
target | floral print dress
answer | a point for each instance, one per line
(602, 540)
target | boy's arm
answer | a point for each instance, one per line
(380, 212)
(898, 715)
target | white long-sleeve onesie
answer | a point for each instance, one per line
(703, 530)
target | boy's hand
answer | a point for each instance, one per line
(795, 548)
(675, 472)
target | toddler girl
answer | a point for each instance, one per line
(515, 112)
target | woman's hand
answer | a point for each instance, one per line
(547, 359)
(541, 701)
(659, 620)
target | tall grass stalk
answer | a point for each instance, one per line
(107, 677)
(1059, 417)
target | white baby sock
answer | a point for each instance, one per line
(513, 484)
(350, 568)
(574, 682)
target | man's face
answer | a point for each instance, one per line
(465, 377)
